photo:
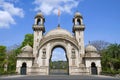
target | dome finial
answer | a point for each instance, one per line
(89, 42)
(58, 26)
(39, 14)
(77, 14)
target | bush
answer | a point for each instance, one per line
(110, 72)
(8, 73)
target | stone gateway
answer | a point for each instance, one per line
(36, 60)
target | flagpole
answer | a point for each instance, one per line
(58, 17)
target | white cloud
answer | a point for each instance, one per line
(7, 12)
(13, 10)
(51, 6)
(5, 19)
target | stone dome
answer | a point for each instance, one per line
(39, 14)
(77, 14)
(27, 48)
(90, 48)
(58, 31)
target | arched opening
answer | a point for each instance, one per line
(23, 69)
(58, 61)
(38, 22)
(78, 22)
(93, 68)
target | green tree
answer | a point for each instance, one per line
(2, 57)
(27, 40)
(111, 58)
(114, 52)
(59, 65)
(2, 53)
(12, 62)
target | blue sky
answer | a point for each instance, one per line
(58, 54)
(101, 18)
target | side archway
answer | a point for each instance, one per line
(23, 68)
(93, 69)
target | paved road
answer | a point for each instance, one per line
(59, 77)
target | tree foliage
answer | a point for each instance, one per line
(28, 40)
(2, 53)
(59, 65)
(2, 57)
(111, 58)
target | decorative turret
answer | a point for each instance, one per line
(78, 30)
(39, 22)
(78, 22)
(38, 29)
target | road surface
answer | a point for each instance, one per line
(58, 77)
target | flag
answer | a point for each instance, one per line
(58, 12)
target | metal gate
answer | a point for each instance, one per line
(93, 68)
(58, 72)
(23, 70)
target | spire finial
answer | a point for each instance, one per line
(58, 26)
(89, 42)
(59, 17)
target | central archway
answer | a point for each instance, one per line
(46, 48)
(58, 62)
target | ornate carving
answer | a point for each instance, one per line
(73, 55)
(44, 54)
(38, 27)
(78, 27)
(73, 62)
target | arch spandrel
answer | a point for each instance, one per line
(60, 38)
